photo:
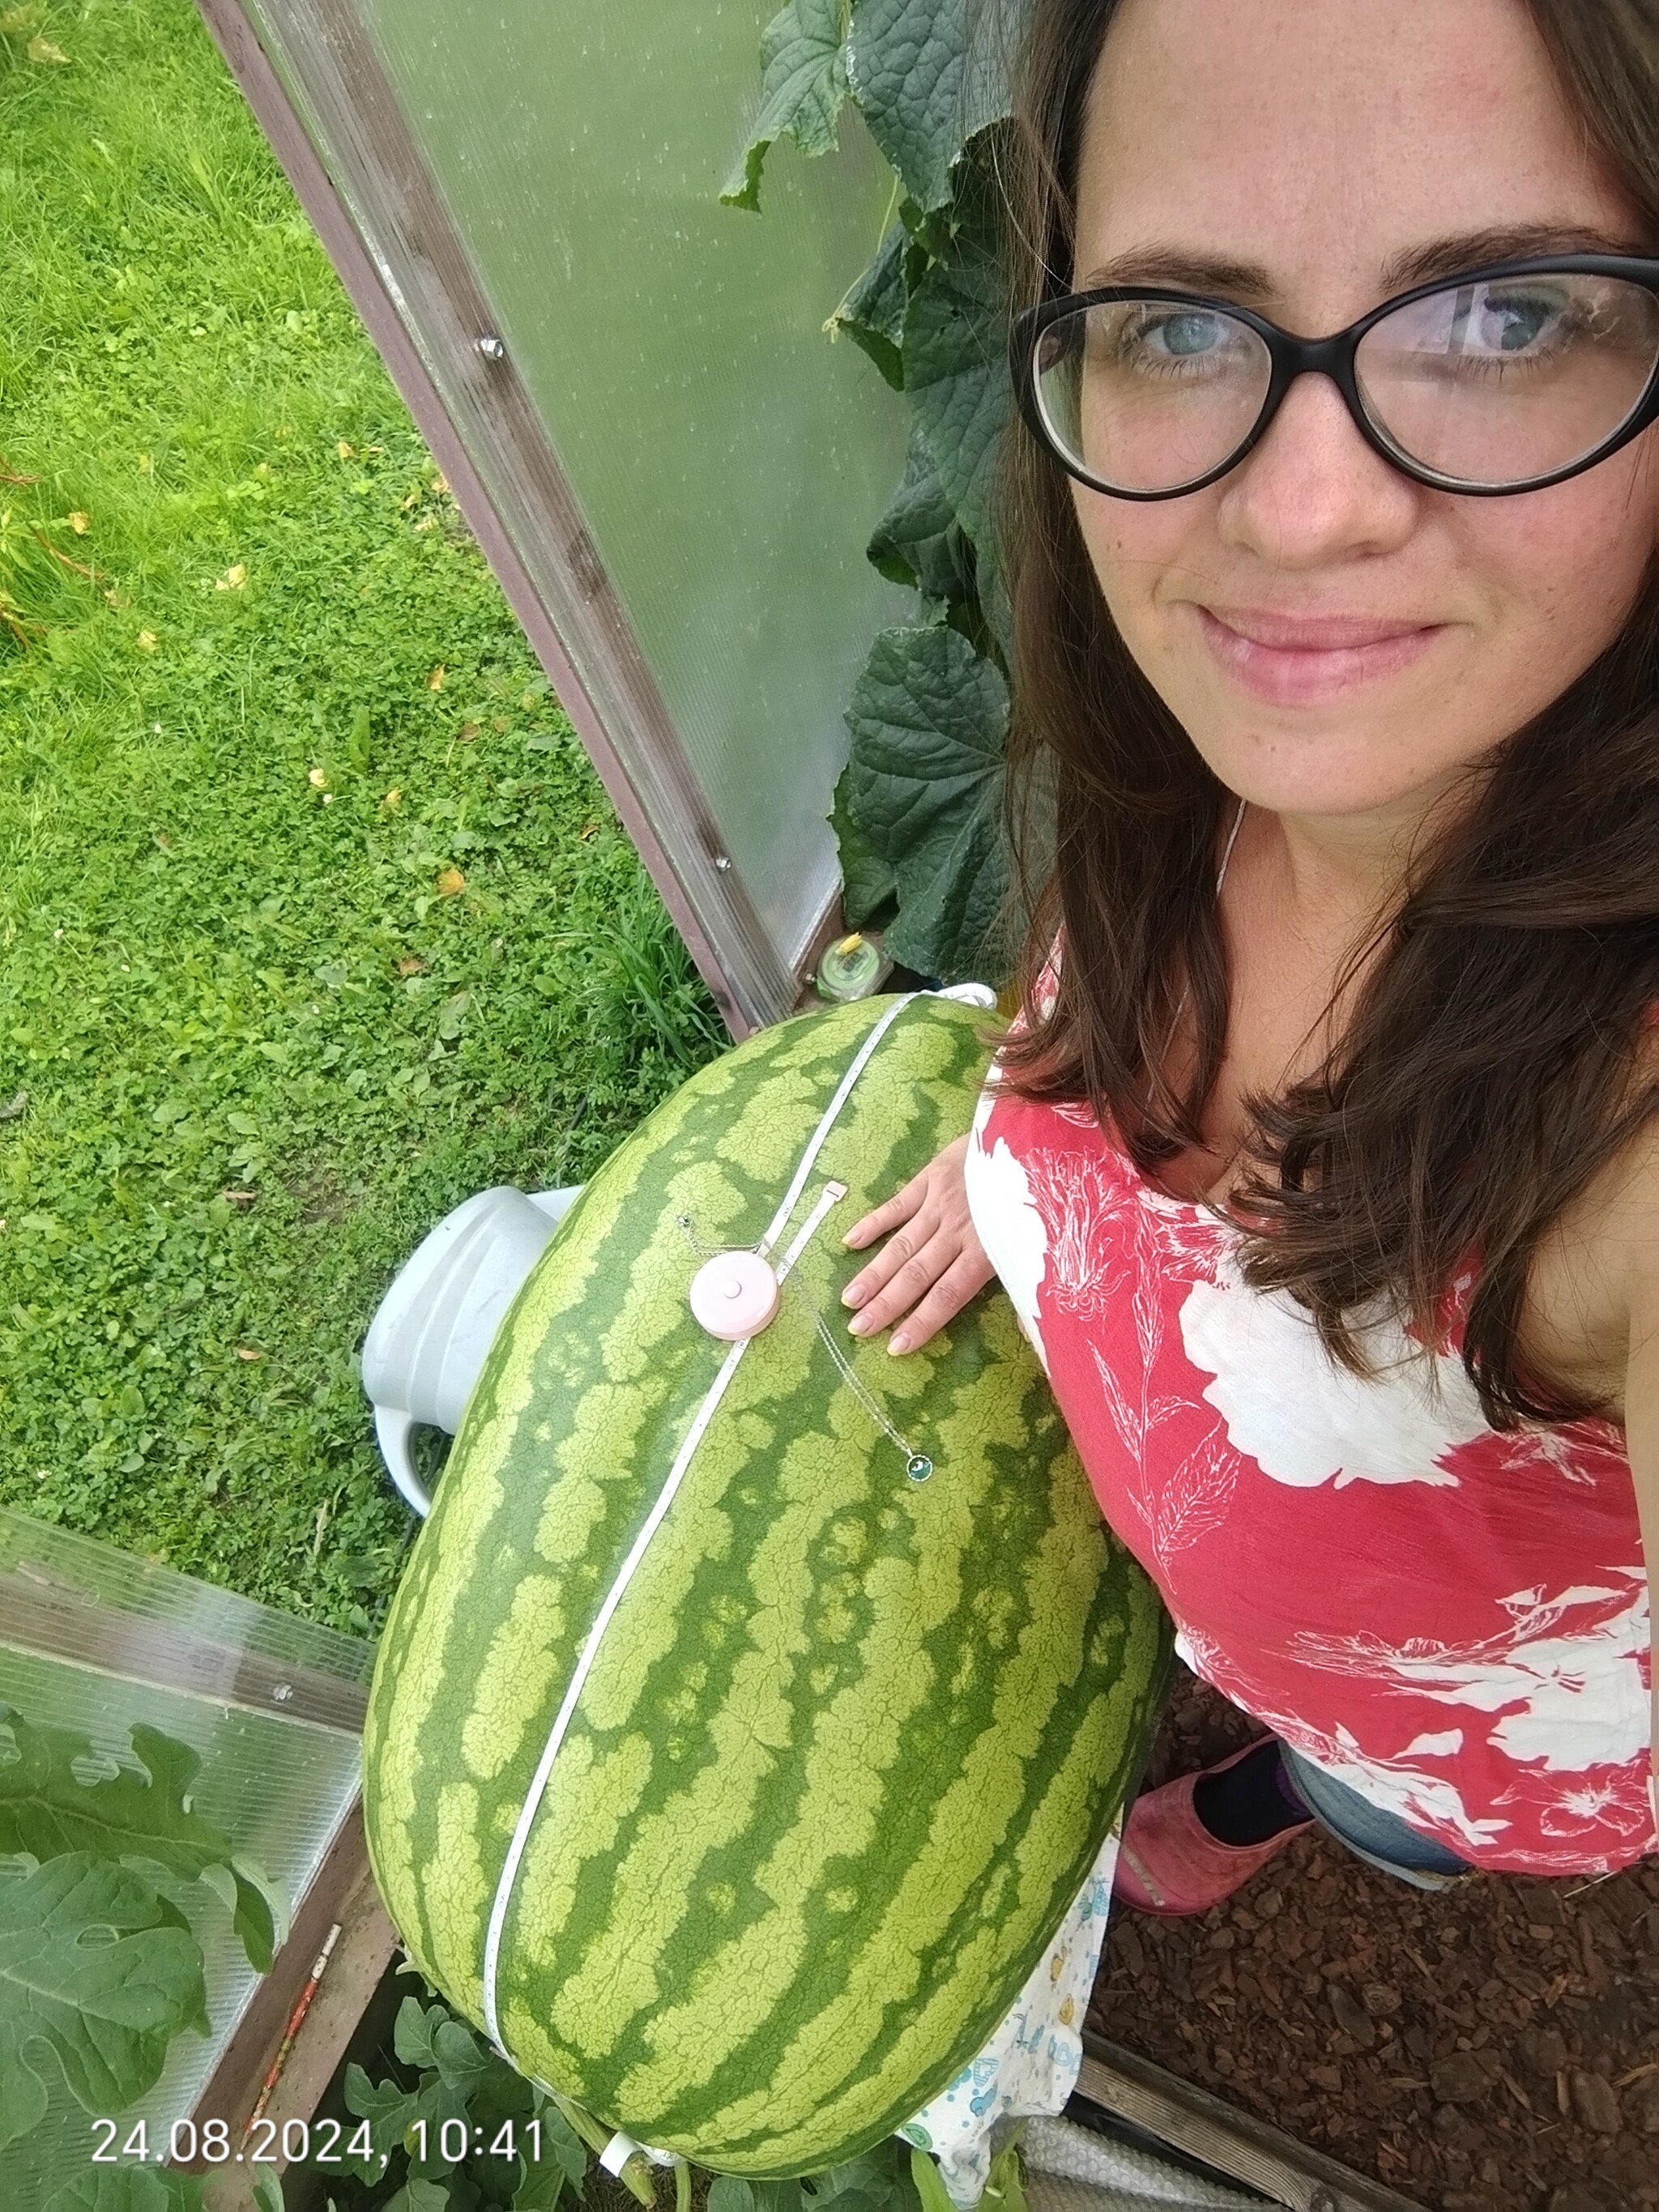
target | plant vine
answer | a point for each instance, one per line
(918, 808)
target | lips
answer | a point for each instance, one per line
(1302, 660)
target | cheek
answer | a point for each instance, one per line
(1562, 568)
(1135, 547)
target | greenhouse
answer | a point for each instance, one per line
(515, 750)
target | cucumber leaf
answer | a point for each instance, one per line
(46, 1809)
(924, 782)
(869, 888)
(873, 314)
(926, 79)
(98, 1972)
(918, 541)
(956, 372)
(804, 58)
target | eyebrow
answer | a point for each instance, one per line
(1450, 255)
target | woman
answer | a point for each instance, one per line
(1323, 1164)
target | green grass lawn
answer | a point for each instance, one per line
(314, 919)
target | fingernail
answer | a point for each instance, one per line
(853, 1294)
(898, 1343)
(860, 1326)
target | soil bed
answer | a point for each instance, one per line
(1492, 2049)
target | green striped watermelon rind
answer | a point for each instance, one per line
(704, 1994)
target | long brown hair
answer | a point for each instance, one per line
(1489, 1066)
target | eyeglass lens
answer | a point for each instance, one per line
(1491, 385)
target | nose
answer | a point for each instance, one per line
(1313, 491)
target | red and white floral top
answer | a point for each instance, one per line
(1451, 1620)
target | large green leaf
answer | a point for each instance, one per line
(388, 2108)
(97, 1971)
(727, 2194)
(927, 77)
(918, 541)
(956, 372)
(869, 888)
(995, 603)
(803, 54)
(875, 2182)
(419, 2194)
(46, 1810)
(540, 2186)
(413, 2030)
(562, 2167)
(128, 2189)
(873, 314)
(924, 782)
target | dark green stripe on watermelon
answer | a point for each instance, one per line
(850, 1744)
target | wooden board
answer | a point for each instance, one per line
(344, 1893)
(1232, 2142)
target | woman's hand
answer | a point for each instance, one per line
(930, 1265)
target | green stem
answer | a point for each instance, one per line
(893, 210)
(635, 2176)
(638, 2178)
(595, 2135)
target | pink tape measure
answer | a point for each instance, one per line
(734, 1295)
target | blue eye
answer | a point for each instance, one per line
(1187, 335)
(1518, 322)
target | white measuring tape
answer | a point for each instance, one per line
(694, 1437)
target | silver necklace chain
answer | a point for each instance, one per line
(918, 1466)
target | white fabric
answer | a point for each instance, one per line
(1029, 2066)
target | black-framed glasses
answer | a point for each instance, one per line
(1504, 379)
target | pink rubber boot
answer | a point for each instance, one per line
(1171, 1865)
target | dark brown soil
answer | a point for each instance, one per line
(1494, 2047)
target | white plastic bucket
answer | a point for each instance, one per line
(427, 1342)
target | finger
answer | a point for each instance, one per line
(890, 1212)
(904, 1246)
(906, 1284)
(964, 1279)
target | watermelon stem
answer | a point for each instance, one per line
(595, 2135)
(635, 2176)
(682, 2186)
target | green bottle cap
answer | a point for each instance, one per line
(853, 967)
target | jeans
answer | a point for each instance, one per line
(1380, 1839)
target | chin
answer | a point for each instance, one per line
(1327, 775)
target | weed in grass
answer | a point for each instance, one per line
(298, 945)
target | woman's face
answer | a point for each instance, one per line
(1337, 639)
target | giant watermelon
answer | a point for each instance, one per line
(736, 1789)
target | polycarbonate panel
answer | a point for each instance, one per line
(279, 1785)
(731, 461)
